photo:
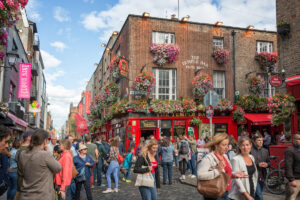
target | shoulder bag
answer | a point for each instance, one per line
(214, 188)
(146, 179)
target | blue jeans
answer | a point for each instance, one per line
(112, 169)
(167, 166)
(259, 189)
(176, 161)
(224, 197)
(12, 187)
(87, 188)
(193, 163)
(99, 171)
(127, 175)
(148, 193)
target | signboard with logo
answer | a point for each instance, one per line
(148, 123)
(191, 130)
(87, 102)
(166, 124)
(275, 80)
(209, 111)
(221, 128)
(123, 67)
(24, 81)
(80, 109)
(179, 123)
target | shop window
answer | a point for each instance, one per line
(165, 84)
(218, 43)
(264, 47)
(160, 38)
(268, 86)
(219, 83)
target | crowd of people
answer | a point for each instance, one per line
(35, 168)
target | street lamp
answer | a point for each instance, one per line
(219, 23)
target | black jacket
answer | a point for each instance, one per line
(292, 163)
(261, 155)
(140, 170)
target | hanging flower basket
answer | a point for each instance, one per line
(282, 107)
(256, 85)
(283, 28)
(144, 82)
(110, 94)
(195, 121)
(266, 60)
(164, 53)
(202, 83)
(221, 56)
(238, 114)
(253, 104)
(114, 67)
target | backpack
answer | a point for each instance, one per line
(184, 147)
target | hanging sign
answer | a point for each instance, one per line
(24, 81)
(275, 80)
(123, 65)
(80, 109)
(87, 102)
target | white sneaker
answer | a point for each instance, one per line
(116, 190)
(193, 176)
(108, 190)
(183, 177)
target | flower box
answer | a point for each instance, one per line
(283, 29)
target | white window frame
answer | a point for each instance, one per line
(161, 38)
(172, 79)
(263, 46)
(218, 43)
(218, 82)
(266, 90)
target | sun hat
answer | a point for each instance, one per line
(81, 147)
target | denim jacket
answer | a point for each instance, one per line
(80, 163)
(13, 165)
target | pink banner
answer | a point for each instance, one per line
(80, 109)
(87, 102)
(24, 81)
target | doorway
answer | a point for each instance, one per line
(146, 133)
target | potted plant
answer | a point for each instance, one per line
(256, 85)
(266, 60)
(144, 83)
(283, 28)
(221, 56)
(238, 114)
(189, 105)
(195, 122)
(110, 94)
(164, 53)
(202, 83)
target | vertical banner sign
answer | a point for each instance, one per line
(80, 109)
(24, 81)
(87, 102)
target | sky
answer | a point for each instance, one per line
(71, 33)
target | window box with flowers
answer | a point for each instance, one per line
(266, 60)
(221, 56)
(224, 107)
(195, 122)
(253, 104)
(282, 107)
(144, 83)
(238, 114)
(138, 106)
(189, 106)
(256, 85)
(202, 83)
(283, 28)
(164, 53)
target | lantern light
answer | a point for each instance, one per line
(250, 27)
(219, 23)
(115, 33)
(146, 14)
(103, 45)
(185, 19)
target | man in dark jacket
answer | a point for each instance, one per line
(102, 152)
(292, 168)
(262, 161)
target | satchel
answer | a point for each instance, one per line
(214, 188)
(120, 159)
(146, 180)
(81, 176)
(74, 172)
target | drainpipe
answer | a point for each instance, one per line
(233, 62)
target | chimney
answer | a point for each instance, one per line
(173, 17)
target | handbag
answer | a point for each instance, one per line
(214, 188)
(146, 179)
(81, 176)
(74, 172)
(120, 159)
(3, 188)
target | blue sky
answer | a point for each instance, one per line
(71, 33)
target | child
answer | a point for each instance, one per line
(127, 165)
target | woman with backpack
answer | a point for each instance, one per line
(183, 155)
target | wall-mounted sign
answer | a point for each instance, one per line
(123, 67)
(24, 81)
(179, 123)
(221, 128)
(148, 123)
(166, 124)
(87, 102)
(191, 130)
(80, 109)
(275, 80)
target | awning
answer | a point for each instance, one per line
(17, 120)
(259, 118)
(293, 80)
(7, 121)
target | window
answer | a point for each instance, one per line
(218, 43)
(165, 84)
(12, 92)
(219, 83)
(159, 38)
(119, 51)
(268, 86)
(264, 47)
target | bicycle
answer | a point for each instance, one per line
(275, 181)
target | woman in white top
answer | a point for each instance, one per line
(244, 188)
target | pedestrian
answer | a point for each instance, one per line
(92, 151)
(4, 163)
(38, 167)
(83, 164)
(184, 151)
(113, 166)
(167, 160)
(99, 165)
(176, 152)
(56, 152)
(52, 143)
(232, 147)
(262, 161)
(131, 143)
(121, 146)
(4, 137)
(127, 165)
(147, 163)
(64, 177)
(193, 153)
(12, 171)
(292, 168)
(267, 140)
(200, 141)
(281, 138)
(244, 189)
(73, 147)
(140, 147)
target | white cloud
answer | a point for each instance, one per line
(49, 60)
(61, 14)
(53, 76)
(259, 13)
(59, 46)
(89, 1)
(32, 10)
